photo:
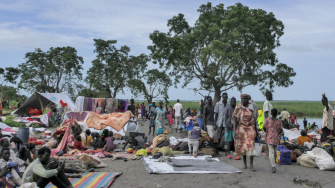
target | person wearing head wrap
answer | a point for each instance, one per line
(246, 131)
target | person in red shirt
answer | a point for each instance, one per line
(78, 145)
(293, 118)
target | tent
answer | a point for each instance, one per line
(43, 100)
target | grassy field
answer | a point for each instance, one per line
(300, 108)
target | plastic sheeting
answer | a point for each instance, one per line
(292, 134)
(155, 167)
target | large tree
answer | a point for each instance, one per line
(156, 85)
(226, 48)
(113, 67)
(54, 71)
(7, 75)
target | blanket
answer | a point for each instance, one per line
(114, 120)
(158, 139)
(93, 180)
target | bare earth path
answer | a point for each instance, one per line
(135, 175)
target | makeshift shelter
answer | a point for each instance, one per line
(43, 100)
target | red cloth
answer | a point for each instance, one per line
(63, 103)
(31, 139)
(39, 142)
(79, 146)
(293, 118)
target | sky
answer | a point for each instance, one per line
(308, 43)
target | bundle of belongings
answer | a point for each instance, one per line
(319, 158)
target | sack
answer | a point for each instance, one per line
(281, 147)
(91, 160)
(29, 185)
(286, 157)
(306, 161)
(258, 148)
(34, 111)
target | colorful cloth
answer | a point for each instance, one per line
(79, 116)
(245, 132)
(272, 131)
(160, 116)
(90, 102)
(114, 120)
(87, 141)
(142, 110)
(267, 107)
(110, 105)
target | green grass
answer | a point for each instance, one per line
(300, 108)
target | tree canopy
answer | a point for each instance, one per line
(113, 67)
(54, 71)
(226, 48)
(156, 85)
(8, 75)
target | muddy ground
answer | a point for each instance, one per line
(135, 175)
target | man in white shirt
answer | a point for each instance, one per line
(178, 113)
(267, 107)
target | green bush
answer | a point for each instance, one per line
(10, 122)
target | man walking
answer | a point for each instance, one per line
(178, 113)
(267, 107)
(219, 117)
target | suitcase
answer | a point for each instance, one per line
(207, 151)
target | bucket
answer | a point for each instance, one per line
(23, 135)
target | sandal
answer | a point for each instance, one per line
(237, 158)
(230, 157)
(273, 169)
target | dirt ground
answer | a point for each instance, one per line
(135, 175)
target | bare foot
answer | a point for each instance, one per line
(252, 168)
(245, 166)
(273, 169)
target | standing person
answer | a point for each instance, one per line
(285, 115)
(219, 117)
(151, 116)
(194, 136)
(209, 117)
(246, 131)
(159, 117)
(142, 111)
(254, 108)
(273, 128)
(305, 123)
(293, 118)
(178, 113)
(327, 119)
(1, 112)
(267, 107)
(131, 107)
(230, 128)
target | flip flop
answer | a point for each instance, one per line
(229, 157)
(237, 158)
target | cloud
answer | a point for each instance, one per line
(296, 48)
(326, 45)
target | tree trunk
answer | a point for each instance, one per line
(217, 96)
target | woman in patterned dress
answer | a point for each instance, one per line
(246, 131)
(160, 112)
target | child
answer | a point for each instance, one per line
(88, 139)
(78, 145)
(193, 139)
(97, 143)
(110, 146)
(104, 136)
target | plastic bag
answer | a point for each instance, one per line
(286, 157)
(92, 160)
(29, 185)
(258, 148)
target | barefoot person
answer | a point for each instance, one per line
(273, 128)
(327, 119)
(246, 132)
(230, 128)
(193, 139)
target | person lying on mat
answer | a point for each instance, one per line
(78, 145)
(37, 172)
(134, 142)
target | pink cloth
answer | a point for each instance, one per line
(170, 119)
(49, 114)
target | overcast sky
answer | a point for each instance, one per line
(308, 43)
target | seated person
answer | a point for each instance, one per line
(37, 172)
(134, 142)
(5, 144)
(25, 150)
(104, 135)
(110, 146)
(88, 139)
(303, 138)
(78, 145)
(96, 143)
(5, 153)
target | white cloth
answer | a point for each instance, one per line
(177, 107)
(44, 119)
(267, 107)
(178, 122)
(272, 154)
(210, 130)
(79, 105)
(327, 120)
